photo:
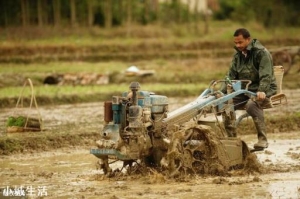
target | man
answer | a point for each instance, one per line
(252, 61)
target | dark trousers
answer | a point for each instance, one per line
(253, 108)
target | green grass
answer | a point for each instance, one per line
(220, 31)
(166, 71)
(62, 67)
(55, 95)
(117, 89)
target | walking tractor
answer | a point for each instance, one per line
(139, 130)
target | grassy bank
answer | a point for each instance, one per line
(96, 44)
(166, 34)
(49, 95)
(173, 78)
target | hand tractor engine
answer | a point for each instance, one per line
(139, 129)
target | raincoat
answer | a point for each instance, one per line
(257, 66)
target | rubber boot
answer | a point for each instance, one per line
(229, 124)
(261, 134)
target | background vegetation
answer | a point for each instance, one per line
(187, 47)
(108, 13)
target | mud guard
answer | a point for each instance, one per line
(236, 150)
(197, 149)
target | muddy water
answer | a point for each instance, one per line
(72, 173)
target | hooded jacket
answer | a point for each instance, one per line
(257, 66)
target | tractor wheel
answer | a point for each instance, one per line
(196, 150)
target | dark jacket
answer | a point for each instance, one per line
(257, 67)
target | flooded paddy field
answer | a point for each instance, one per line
(71, 171)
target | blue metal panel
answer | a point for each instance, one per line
(143, 93)
(104, 152)
(147, 102)
(229, 96)
(159, 103)
(116, 113)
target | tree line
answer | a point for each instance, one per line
(270, 13)
(106, 13)
(109, 13)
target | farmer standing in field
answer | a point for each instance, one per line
(252, 61)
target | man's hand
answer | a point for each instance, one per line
(260, 95)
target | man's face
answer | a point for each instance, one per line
(241, 43)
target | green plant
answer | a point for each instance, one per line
(16, 121)
(11, 121)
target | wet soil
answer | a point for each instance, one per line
(70, 171)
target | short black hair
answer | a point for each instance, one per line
(242, 31)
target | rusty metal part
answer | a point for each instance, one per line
(108, 113)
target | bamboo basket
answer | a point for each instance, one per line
(279, 72)
(24, 123)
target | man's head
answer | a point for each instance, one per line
(241, 39)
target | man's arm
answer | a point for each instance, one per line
(265, 73)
